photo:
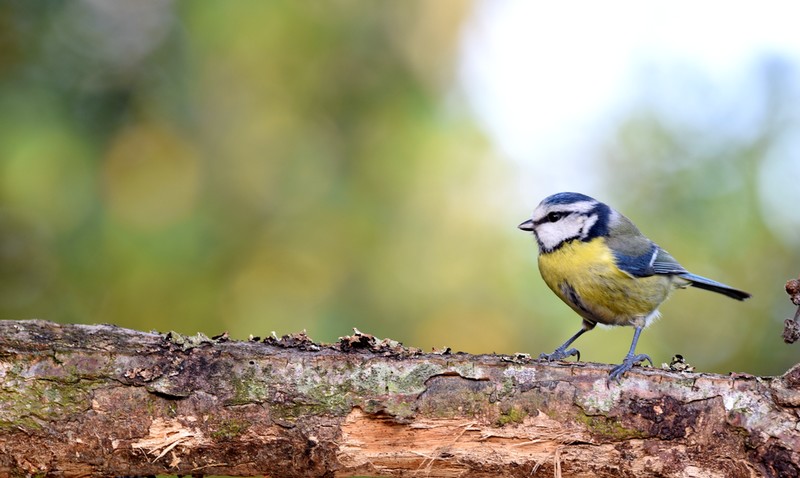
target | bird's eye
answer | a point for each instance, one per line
(555, 216)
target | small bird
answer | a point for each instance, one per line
(598, 263)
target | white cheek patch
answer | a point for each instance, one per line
(588, 223)
(551, 234)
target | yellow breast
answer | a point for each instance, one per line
(584, 275)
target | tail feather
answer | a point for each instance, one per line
(702, 283)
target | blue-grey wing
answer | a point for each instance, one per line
(666, 264)
(657, 261)
(637, 255)
(654, 261)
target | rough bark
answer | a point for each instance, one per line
(80, 400)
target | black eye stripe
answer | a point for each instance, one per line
(552, 216)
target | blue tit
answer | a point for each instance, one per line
(598, 263)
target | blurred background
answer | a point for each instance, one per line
(276, 166)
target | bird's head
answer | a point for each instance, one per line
(565, 217)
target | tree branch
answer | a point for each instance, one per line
(80, 400)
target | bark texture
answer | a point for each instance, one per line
(98, 400)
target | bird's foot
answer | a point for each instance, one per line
(627, 363)
(560, 354)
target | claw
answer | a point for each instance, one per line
(560, 354)
(627, 363)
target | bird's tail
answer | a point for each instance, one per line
(702, 283)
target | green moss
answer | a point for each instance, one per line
(248, 388)
(330, 400)
(322, 399)
(513, 414)
(228, 429)
(400, 409)
(508, 389)
(22, 422)
(608, 427)
(39, 401)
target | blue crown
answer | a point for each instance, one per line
(566, 198)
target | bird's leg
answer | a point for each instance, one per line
(631, 359)
(562, 352)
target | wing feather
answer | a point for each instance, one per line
(638, 256)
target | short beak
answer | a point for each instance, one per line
(527, 225)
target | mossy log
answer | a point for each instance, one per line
(98, 400)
